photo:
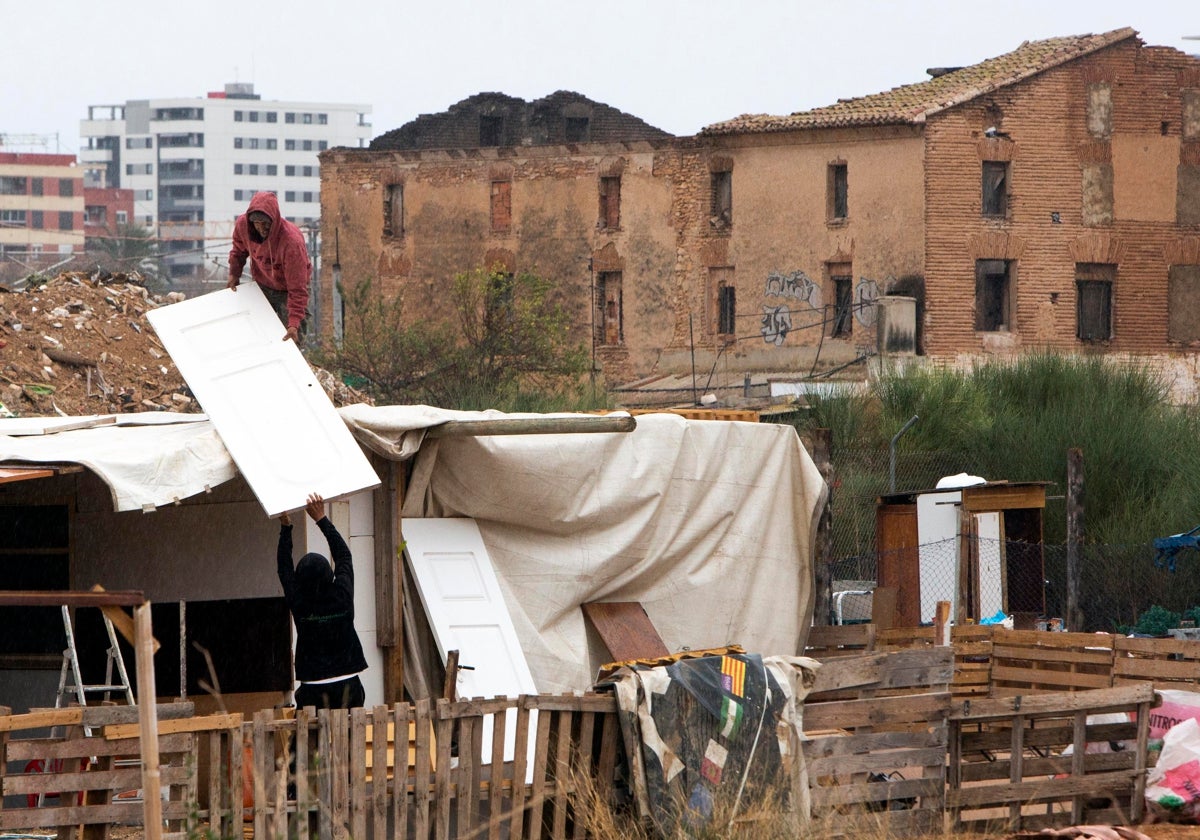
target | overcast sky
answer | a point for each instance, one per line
(678, 64)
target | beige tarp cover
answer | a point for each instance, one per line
(708, 524)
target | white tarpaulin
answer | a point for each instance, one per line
(147, 460)
(708, 524)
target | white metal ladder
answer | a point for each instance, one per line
(71, 664)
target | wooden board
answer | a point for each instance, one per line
(625, 629)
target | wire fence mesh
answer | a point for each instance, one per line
(1118, 584)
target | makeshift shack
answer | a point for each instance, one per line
(709, 525)
(974, 543)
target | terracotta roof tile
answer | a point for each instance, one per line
(911, 104)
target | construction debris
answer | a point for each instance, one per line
(80, 344)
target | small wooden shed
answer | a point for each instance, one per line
(978, 547)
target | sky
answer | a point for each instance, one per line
(677, 64)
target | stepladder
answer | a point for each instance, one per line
(71, 686)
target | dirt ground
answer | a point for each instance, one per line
(80, 344)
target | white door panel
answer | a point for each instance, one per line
(466, 610)
(273, 416)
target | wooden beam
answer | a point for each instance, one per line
(121, 620)
(148, 725)
(71, 598)
(9, 474)
(532, 426)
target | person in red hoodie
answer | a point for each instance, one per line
(278, 261)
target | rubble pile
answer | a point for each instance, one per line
(80, 344)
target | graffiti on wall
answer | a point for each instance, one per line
(865, 294)
(798, 286)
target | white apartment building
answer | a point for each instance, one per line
(194, 163)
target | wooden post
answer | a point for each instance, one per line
(823, 545)
(148, 722)
(1074, 616)
(941, 624)
(388, 590)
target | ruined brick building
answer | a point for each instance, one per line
(1048, 197)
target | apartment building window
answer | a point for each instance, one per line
(36, 186)
(252, 142)
(36, 220)
(308, 171)
(993, 295)
(995, 188)
(721, 198)
(12, 218)
(289, 171)
(307, 197)
(252, 169)
(239, 116)
(307, 145)
(290, 195)
(726, 310)
(501, 206)
(66, 220)
(322, 119)
(254, 116)
(272, 143)
(308, 118)
(610, 203)
(238, 169)
(139, 142)
(272, 169)
(1093, 287)
(122, 217)
(837, 192)
(491, 130)
(66, 187)
(322, 145)
(842, 279)
(610, 316)
(393, 210)
(272, 117)
(289, 117)
(12, 185)
(143, 195)
(289, 145)
(1183, 298)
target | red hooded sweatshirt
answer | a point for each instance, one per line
(278, 262)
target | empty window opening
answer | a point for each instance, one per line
(995, 188)
(393, 210)
(838, 192)
(576, 129)
(1093, 284)
(843, 305)
(726, 310)
(491, 129)
(993, 295)
(610, 203)
(722, 198)
(610, 327)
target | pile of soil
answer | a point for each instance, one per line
(80, 344)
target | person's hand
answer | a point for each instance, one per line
(284, 519)
(232, 283)
(315, 507)
(293, 334)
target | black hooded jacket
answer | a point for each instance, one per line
(322, 603)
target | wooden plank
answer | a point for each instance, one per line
(48, 748)
(120, 779)
(339, 766)
(537, 795)
(1048, 734)
(400, 721)
(891, 669)
(562, 774)
(496, 777)
(1052, 765)
(325, 744)
(1066, 656)
(304, 771)
(475, 789)
(605, 702)
(1095, 701)
(863, 792)
(204, 723)
(610, 742)
(380, 723)
(831, 746)
(996, 497)
(1040, 790)
(520, 757)
(465, 792)
(213, 784)
(356, 760)
(443, 781)
(625, 629)
(423, 762)
(259, 770)
(867, 762)
(69, 598)
(237, 781)
(876, 711)
(581, 769)
(834, 639)
(120, 813)
(152, 806)
(531, 426)
(1078, 752)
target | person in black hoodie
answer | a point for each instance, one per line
(329, 655)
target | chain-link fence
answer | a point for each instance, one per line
(1117, 586)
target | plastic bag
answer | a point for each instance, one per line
(1173, 786)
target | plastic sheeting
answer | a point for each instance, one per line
(709, 525)
(156, 459)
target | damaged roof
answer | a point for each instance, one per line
(912, 104)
